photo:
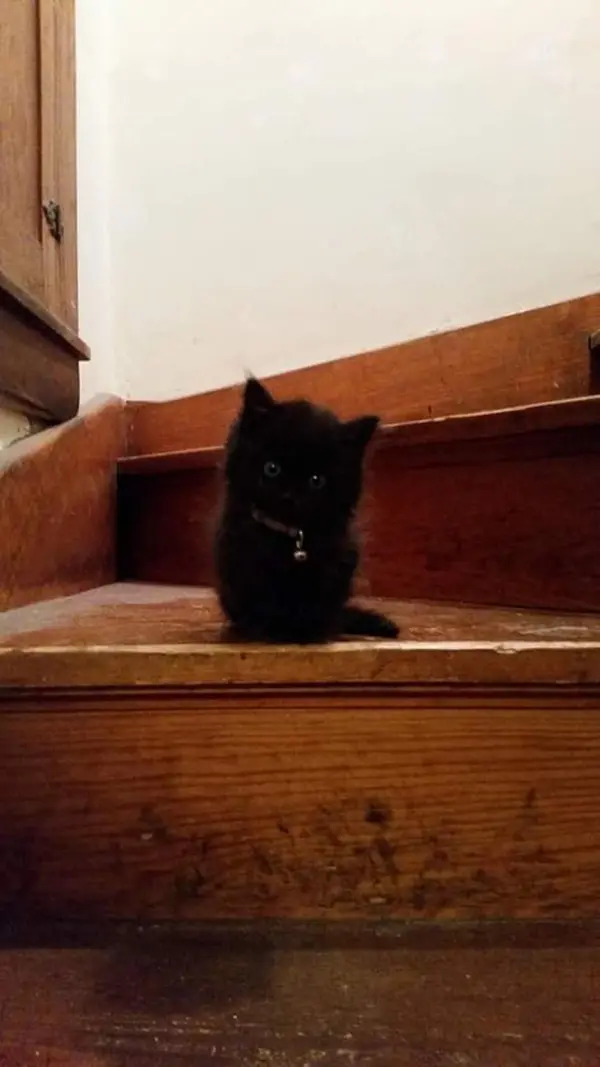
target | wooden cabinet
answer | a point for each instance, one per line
(37, 152)
(38, 227)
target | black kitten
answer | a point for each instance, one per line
(285, 550)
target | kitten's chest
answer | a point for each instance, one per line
(295, 565)
(301, 566)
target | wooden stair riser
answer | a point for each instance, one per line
(370, 803)
(166, 525)
(511, 520)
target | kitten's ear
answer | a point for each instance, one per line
(360, 431)
(257, 399)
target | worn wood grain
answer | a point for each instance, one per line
(310, 802)
(58, 514)
(496, 508)
(452, 774)
(537, 356)
(161, 998)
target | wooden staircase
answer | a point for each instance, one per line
(153, 772)
(496, 507)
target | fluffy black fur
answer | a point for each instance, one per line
(292, 466)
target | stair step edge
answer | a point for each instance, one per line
(577, 413)
(408, 665)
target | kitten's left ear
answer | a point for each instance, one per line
(257, 399)
(360, 431)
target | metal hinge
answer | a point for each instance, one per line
(53, 215)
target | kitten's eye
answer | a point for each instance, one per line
(316, 481)
(271, 469)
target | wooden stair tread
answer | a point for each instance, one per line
(181, 460)
(482, 425)
(151, 998)
(145, 634)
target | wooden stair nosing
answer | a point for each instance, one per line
(402, 665)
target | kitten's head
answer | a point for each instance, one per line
(297, 463)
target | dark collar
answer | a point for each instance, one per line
(297, 535)
(274, 524)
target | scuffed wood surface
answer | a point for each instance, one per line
(132, 613)
(159, 999)
(451, 774)
(58, 508)
(324, 803)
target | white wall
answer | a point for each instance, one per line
(96, 187)
(292, 180)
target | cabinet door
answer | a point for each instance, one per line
(37, 152)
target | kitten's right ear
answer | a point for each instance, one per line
(257, 399)
(360, 431)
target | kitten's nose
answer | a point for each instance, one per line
(291, 501)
